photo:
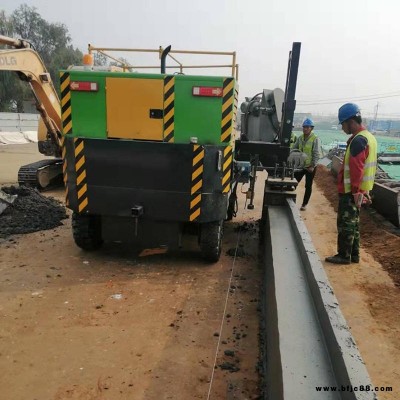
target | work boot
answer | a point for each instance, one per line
(338, 259)
(355, 259)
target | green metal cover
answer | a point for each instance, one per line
(88, 109)
(197, 116)
(194, 116)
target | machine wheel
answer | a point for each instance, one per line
(86, 230)
(211, 240)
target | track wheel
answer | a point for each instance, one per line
(211, 240)
(86, 230)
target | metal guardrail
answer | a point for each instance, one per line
(307, 342)
(180, 66)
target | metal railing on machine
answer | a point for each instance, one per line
(233, 66)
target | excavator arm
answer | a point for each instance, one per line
(30, 68)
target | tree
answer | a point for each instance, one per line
(51, 40)
(100, 59)
(122, 63)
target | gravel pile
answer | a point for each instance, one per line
(30, 212)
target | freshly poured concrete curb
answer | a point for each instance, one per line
(386, 201)
(307, 341)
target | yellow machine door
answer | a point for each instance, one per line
(134, 108)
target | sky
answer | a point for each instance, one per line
(349, 48)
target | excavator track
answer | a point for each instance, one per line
(41, 174)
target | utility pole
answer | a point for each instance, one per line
(375, 116)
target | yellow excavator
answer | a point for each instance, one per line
(26, 62)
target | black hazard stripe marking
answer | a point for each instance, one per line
(197, 182)
(227, 169)
(81, 182)
(169, 108)
(65, 173)
(227, 108)
(235, 106)
(66, 112)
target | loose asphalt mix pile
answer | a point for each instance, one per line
(30, 212)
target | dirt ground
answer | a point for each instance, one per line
(13, 156)
(113, 325)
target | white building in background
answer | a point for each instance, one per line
(18, 122)
(18, 128)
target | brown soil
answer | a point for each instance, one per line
(378, 237)
(115, 325)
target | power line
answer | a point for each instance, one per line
(390, 114)
(359, 97)
(336, 101)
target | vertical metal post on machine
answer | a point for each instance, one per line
(278, 187)
(289, 104)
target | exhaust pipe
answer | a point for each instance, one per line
(163, 57)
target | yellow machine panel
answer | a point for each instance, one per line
(134, 108)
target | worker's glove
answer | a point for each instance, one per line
(296, 159)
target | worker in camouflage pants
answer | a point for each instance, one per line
(355, 180)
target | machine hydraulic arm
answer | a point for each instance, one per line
(30, 68)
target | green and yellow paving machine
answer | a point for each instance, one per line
(148, 156)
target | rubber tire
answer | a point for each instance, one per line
(86, 230)
(211, 240)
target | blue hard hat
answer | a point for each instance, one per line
(308, 122)
(347, 111)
